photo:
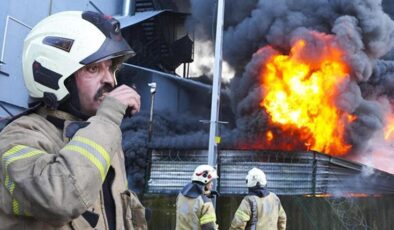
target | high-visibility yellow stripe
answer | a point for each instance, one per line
(90, 157)
(13, 150)
(7, 181)
(93, 151)
(96, 146)
(32, 153)
(241, 214)
(11, 159)
(12, 188)
(16, 153)
(17, 150)
(208, 218)
(18, 209)
(15, 207)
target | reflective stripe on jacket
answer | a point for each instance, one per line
(49, 181)
(195, 213)
(270, 213)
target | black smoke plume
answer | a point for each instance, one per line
(256, 29)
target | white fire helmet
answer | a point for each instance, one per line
(256, 177)
(64, 42)
(204, 174)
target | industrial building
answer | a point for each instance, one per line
(162, 153)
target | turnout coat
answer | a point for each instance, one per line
(53, 167)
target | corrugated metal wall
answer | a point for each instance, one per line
(288, 173)
(172, 169)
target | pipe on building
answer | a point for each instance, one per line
(152, 86)
(128, 7)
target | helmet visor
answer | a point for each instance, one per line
(111, 48)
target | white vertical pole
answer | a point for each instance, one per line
(215, 102)
(128, 8)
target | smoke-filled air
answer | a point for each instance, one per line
(307, 75)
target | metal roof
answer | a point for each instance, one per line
(288, 173)
(126, 21)
(184, 82)
(138, 17)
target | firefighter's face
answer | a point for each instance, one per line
(208, 187)
(94, 81)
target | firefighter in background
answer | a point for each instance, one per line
(194, 208)
(260, 209)
(62, 164)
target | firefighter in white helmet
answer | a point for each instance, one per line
(260, 209)
(62, 164)
(194, 208)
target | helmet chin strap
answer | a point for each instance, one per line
(50, 100)
(71, 104)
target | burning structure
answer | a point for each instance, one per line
(309, 100)
(304, 86)
(308, 76)
(288, 173)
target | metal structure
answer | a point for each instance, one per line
(348, 213)
(215, 102)
(163, 44)
(152, 86)
(170, 164)
(159, 38)
(288, 173)
(153, 28)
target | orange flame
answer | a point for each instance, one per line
(269, 135)
(353, 195)
(300, 99)
(389, 127)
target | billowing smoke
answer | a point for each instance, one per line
(204, 60)
(256, 29)
(181, 131)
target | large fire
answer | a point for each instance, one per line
(389, 128)
(299, 98)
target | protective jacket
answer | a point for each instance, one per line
(270, 213)
(194, 210)
(51, 178)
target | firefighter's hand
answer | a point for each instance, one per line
(211, 194)
(127, 96)
(215, 193)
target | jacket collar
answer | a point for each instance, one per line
(67, 122)
(259, 191)
(46, 112)
(193, 189)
